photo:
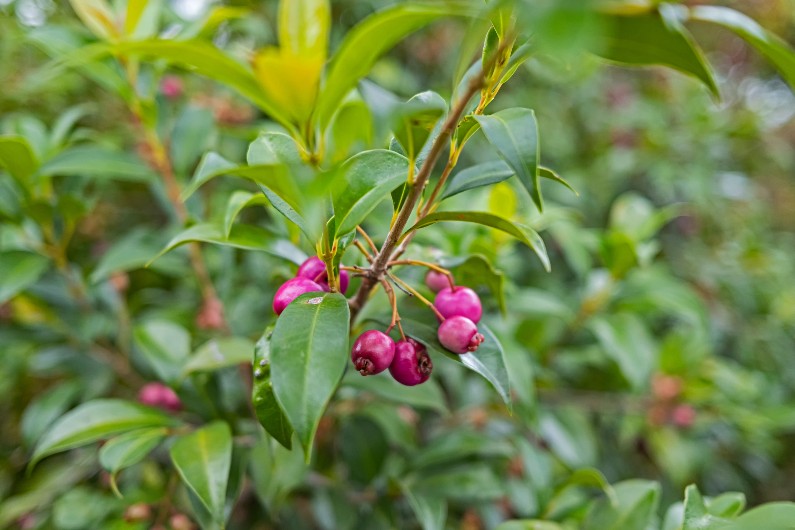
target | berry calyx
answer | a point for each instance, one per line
(436, 281)
(160, 396)
(459, 335)
(314, 269)
(460, 301)
(292, 289)
(411, 364)
(373, 352)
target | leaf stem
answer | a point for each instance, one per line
(413, 292)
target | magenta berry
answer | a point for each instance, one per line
(372, 353)
(314, 269)
(460, 301)
(159, 395)
(459, 335)
(171, 86)
(411, 364)
(292, 289)
(436, 281)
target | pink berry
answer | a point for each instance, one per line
(314, 269)
(683, 416)
(436, 281)
(292, 289)
(411, 365)
(459, 335)
(372, 353)
(461, 301)
(159, 395)
(171, 86)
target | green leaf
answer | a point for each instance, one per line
(413, 121)
(770, 516)
(129, 449)
(545, 172)
(525, 234)
(369, 177)
(245, 237)
(476, 270)
(219, 353)
(431, 511)
(474, 482)
(636, 507)
(304, 27)
(488, 360)
(133, 14)
(428, 395)
(95, 420)
(98, 16)
(239, 201)
(99, 163)
(625, 339)
(514, 133)
(267, 409)
(128, 252)
(460, 446)
(46, 408)
(274, 175)
(18, 158)
(203, 460)
(190, 137)
(204, 58)
(309, 351)
(696, 515)
(647, 38)
(529, 524)
(20, 271)
(165, 345)
(370, 39)
(773, 47)
(484, 174)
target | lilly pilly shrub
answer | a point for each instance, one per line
(362, 179)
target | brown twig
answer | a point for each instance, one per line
(395, 315)
(367, 238)
(363, 250)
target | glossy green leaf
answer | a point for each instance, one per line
(309, 351)
(369, 177)
(625, 339)
(770, 516)
(165, 345)
(241, 236)
(477, 176)
(697, 517)
(304, 27)
(203, 460)
(20, 271)
(514, 133)
(204, 58)
(18, 158)
(239, 201)
(545, 172)
(488, 360)
(219, 353)
(413, 121)
(98, 163)
(525, 234)
(636, 507)
(431, 511)
(95, 420)
(370, 39)
(647, 38)
(773, 47)
(272, 175)
(476, 270)
(128, 449)
(428, 395)
(269, 413)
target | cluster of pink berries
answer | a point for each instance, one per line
(459, 310)
(310, 278)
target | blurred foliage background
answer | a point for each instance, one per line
(659, 347)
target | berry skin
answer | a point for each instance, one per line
(461, 301)
(372, 353)
(411, 365)
(314, 269)
(436, 281)
(159, 395)
(292, 289)
(683, 416)
(171, 87)
(459, 335)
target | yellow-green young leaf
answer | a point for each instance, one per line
(203, 460)
(290, 81)
(219, 353)
(304, 27)
(309, 351)
(514, 133)
(269, 413)
(95, 420)
(370, 39)
(20, 270)
(773, 47)
(98, 16)
(525, 234)
(18, 158)
(647, 38)
(135, 9)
